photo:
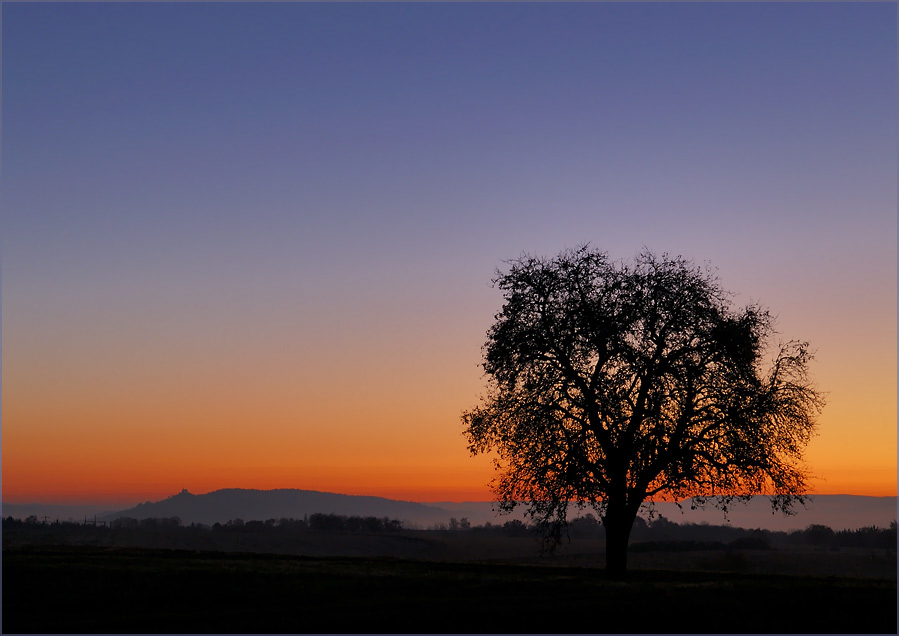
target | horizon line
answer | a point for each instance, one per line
(137, 501)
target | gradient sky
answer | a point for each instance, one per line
(250, 245)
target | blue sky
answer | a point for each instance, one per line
(344, 178)
(385, 120)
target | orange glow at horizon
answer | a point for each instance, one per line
(76, 448)
(279, 276)
(142, 436)
(94, 488)
(101, 474)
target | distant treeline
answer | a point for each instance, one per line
(660, 530)
(659, 533)
(318, 522)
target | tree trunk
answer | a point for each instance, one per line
(619, 521)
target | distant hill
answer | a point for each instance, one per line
(836, 511)
(221, 506)
(839, 512)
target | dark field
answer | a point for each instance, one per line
(77, 589)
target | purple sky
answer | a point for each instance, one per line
(254, 197)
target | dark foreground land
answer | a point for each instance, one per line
(81, 589)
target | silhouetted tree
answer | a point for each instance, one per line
(395, 525)
(611, 383)
(321, 522)
(125, 522)
(817, 534)
(515, 528)
(582, 527)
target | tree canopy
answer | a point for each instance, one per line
(610, 383)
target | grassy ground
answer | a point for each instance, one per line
(800, 560)
(109, 590)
